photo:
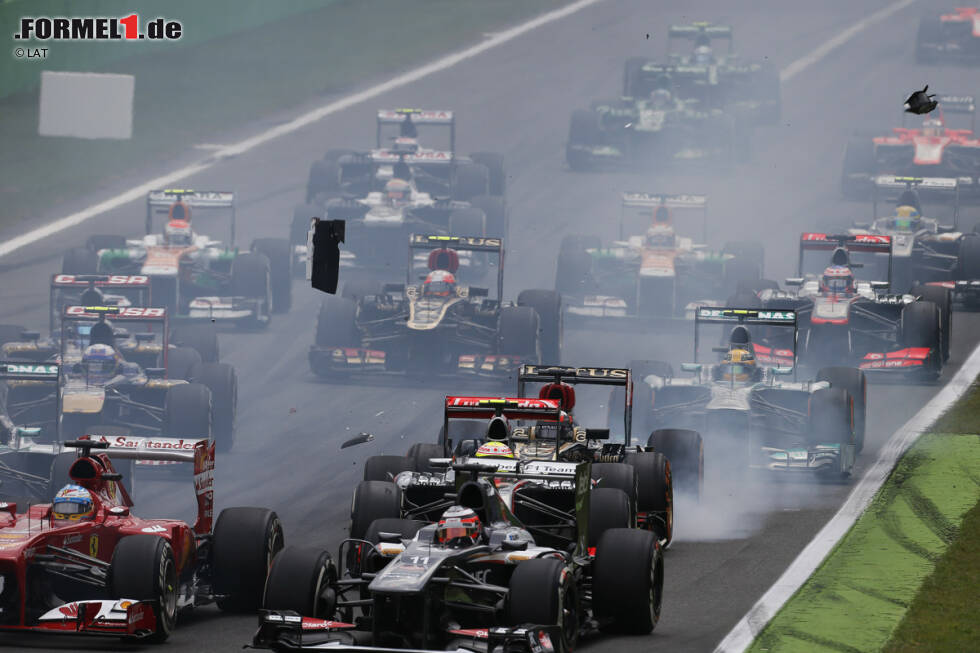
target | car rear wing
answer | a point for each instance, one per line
(135, 314)
(864, 243)
(199, 451)
(30, 371)
(462, 407)
(965, 104)
(418, 117)
(746, 317)
(429, 157)
(701, 30)
(161, 201)
(892, 186)
(137, 284)
(641, 201)
(462, 243)
(615, 376)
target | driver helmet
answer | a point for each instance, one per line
(932, 128)
(99, 362)
(739, 365)
(837, 279)
(178, 233)
(458, 527)
(661, 215)
(439, 283)
(494, 449)
(660, 98)
(397, 192)
(702, 55)
(906, 218)
(660, 237)
(72, 503)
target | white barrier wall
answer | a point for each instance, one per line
(86, 105)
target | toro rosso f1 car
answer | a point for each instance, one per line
(659, 274)
(85, 565)
(477, 579)
(750, 416)
(439, 325)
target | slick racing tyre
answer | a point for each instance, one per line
(856, 383)
(373, 500)
(422, 452)
(222, 380)
(494, 163)
(831, 418)
(628, 581)
(279, 253)
(180, 362)
(251, 277)
(943, 299)
(684, 449)
(517, 333)
(386, 468)
(608, 508)
(470, 180)
(654, 492)
(202, 337)
(547, 304)
(80, 260)
(574, 270)
(187, 411)
(920, 327)
(617, 475)
(143, 568)
(542, 592)
(302, 579)
(335, 325)
(244, 544)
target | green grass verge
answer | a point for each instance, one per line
(861, 592)
(192, 95)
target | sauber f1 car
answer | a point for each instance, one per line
(750, 416)
(659, 274)
(847, 321)
(716, 80)
(949, 37)
(439, 325)
(478, 579)
(196, 277)
(85, 565)
(400, 188)
(935, 150)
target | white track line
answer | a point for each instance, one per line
(299, 122)
(745, 631)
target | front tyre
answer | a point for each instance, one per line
(143, 569)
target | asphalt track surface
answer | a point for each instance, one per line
(517, 100)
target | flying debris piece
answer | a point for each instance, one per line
(920, 103)
(323, 262)
(360, 438)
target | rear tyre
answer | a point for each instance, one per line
(831, 419)
(617, 475)
(143, 568)
(386, 468)
(187, 411)
(301, 579)
(608, 508)
(517, 333)
(543, 593)
(202, 337)
(422, 452)
(279, 253)
(222, 380)
(335, 325)
(575, 264)
(547, 304)
(244, 544)
(920, 327)
(470, 180)
(628, 581)
(943, 299)
(684, 449)
(856, 383)
(80, 260)
(251, 277)
(373, 500)
(654, 492)
(180, 362)
(494, 163)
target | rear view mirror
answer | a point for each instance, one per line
(361, 438)
(794, 281)
(880, 285)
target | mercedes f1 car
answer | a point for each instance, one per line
(85, 565)
(935, 150)
(476, 580)
(659, 274)
(949, 37)
(400, 188)
(440, 325)
(847, 321)
(717, 81)
(196, 277)
(747, 413)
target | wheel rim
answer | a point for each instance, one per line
(273, 545)
(168, 591)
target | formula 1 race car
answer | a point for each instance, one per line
(438, 326)
(400, 188)
(924, 250)
(717, 81)
(476, 580)
(656, 275)
(845, 321)
(950, 37)
(932, 151)
(88, 382)
(749, 416)
(85, 565)
(660, 129)
(195, 277)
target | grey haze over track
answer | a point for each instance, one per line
(517, 100)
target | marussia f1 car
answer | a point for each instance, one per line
(84, 565)
(478, 579)
(932, 151)
(659, 129)
(400, 188)
(923, 250)
(658, 274)
(718, 81)
(88, 381)
(749, 416)
(845, 321)
(439, 325)
(196, 277)
(949, 37)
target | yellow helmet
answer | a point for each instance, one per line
(738, 366)
(739, 355)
